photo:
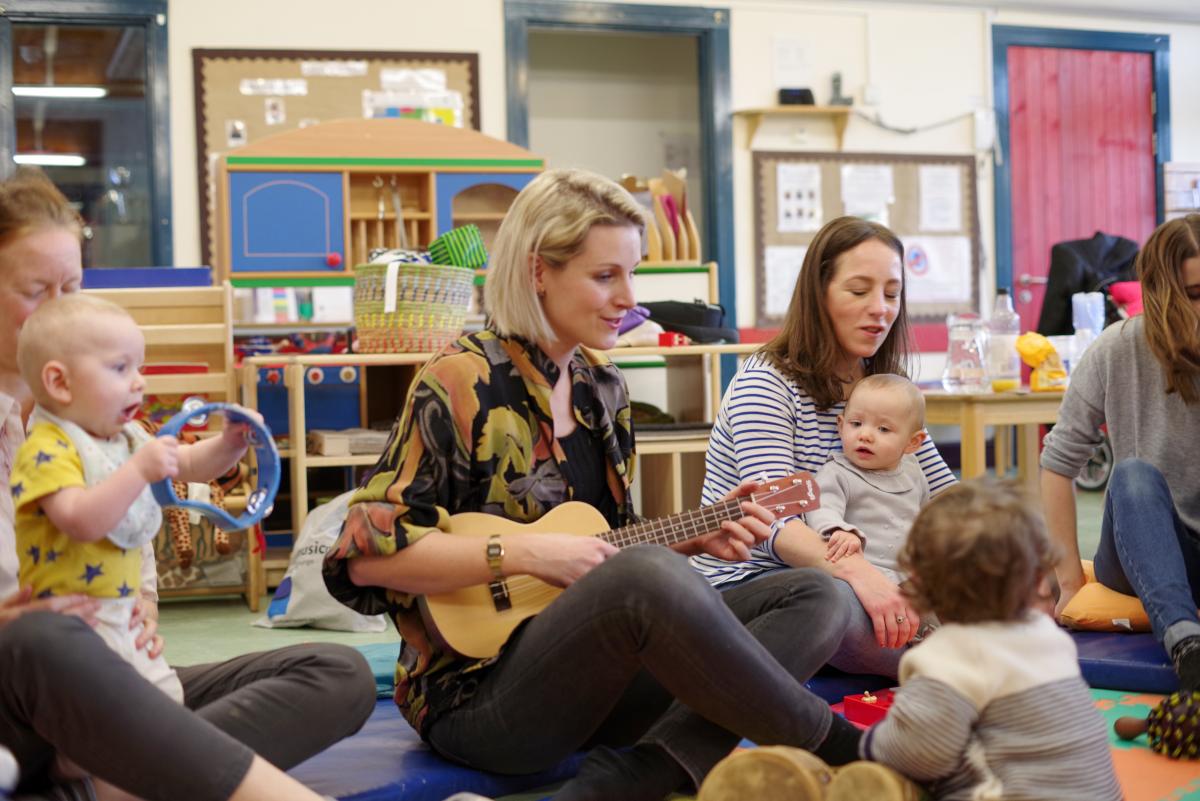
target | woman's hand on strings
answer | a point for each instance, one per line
(558, 559)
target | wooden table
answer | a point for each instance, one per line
(972, 413)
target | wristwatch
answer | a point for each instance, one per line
(495, 557)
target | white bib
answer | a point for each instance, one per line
(100, 459)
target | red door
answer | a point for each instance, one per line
(1081, 126)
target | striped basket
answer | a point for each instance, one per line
(423, 311)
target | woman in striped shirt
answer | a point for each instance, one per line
(846, 320)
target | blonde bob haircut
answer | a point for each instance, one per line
(549, 220)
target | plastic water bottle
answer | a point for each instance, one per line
(1087, 315)
(1003, 327)
(964, 371)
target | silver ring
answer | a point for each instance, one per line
(900, 618)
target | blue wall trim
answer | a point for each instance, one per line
(1158, 45)
(76, 8)
(711, 28)
(105, 12)
(138, 277)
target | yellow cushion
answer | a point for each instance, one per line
(1097, 608)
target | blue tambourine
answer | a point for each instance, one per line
(261, 499)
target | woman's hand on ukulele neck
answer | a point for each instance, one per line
(734, 539)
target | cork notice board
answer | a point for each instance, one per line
(928, 201)
(243, 96)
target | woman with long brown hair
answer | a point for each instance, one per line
(1142, 378)
(846, 320)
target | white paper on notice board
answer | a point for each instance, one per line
(867, 188)
(781, 268)
(798, 198)
(937, 269)
(941, 198)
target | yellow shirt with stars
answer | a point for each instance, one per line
(52, 562)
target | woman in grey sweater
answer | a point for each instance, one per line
(1142, 378)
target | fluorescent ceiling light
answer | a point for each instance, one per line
(60, 91)
(51, 159)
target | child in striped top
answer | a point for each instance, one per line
(991, 704)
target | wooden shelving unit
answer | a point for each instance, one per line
(839, 116)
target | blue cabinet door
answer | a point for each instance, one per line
(450, 184)
(285, 221)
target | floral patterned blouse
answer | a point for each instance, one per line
(476, 436)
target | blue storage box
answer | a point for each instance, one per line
(331, 398)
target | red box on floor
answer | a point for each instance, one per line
(867, 708)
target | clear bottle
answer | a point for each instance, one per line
(965, 355)
(1003, 327)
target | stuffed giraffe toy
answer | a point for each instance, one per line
(176, 519)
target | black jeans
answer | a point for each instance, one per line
(642, 648)
(63, 689)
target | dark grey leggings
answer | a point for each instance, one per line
(62, 689)
(643, 648)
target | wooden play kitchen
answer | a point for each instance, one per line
(316, 201)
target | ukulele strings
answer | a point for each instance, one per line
(529, 590)
(677, 528)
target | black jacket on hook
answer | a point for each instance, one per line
(1084, 265)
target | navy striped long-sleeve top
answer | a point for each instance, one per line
(769, 427)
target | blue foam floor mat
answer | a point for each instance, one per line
(386, 761)
(1121, 661)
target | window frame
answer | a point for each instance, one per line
(152, 16)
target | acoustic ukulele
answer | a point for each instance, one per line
(476, 621)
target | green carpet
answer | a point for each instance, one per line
(198, 631)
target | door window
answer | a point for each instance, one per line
(82, 109)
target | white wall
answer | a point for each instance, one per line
(925, 66)
(928, 63)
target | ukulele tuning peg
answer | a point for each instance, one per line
(773, 488)
(779, 509)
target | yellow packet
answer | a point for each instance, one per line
(1049, 375)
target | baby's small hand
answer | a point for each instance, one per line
(158, 459)
(237, 433)
(842, 544)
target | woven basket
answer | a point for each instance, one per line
(430, 307)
